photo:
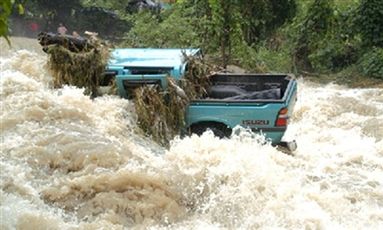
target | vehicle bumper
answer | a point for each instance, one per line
(274, 134)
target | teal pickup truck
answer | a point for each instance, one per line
(260, 102)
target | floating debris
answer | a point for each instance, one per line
(76, 61)
(162, 112)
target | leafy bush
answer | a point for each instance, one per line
(325, 36)
(168, 30)
(333, 54)
(311, 30)
(5, 11)
(259, 19)
(274, 60)
(221, 28)
(369, 22)
(371, 63)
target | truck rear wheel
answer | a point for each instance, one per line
(220, 130)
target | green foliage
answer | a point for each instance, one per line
(263, 58)
(225, 28)
(5, 11)
(115, 4)
(369, 22)
(170, 29)
(312, 29)
(325, 39)
(371, 63)
(6, 8)
(333, 54)
(258, 35)
(222, 28)
(259, 19)
(274, 60)
(340, 46)
(237, 25)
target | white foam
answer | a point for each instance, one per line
(70, 162)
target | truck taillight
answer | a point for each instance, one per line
(282, 117)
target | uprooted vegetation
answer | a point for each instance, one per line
(161, 112)
(82, 67)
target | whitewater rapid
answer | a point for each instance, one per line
(69, 162)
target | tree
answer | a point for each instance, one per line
(260, 18)
(369, 22)
(312, 29)
(225, 26)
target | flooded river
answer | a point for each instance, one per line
(69, 162)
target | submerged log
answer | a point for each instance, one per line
(72, 43)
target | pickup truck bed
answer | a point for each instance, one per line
(251, 87)
(261, 102)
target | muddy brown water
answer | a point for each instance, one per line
(69, 162)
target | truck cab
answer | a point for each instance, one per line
(133, 68)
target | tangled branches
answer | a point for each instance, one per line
(78, 62)
(161, 113)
